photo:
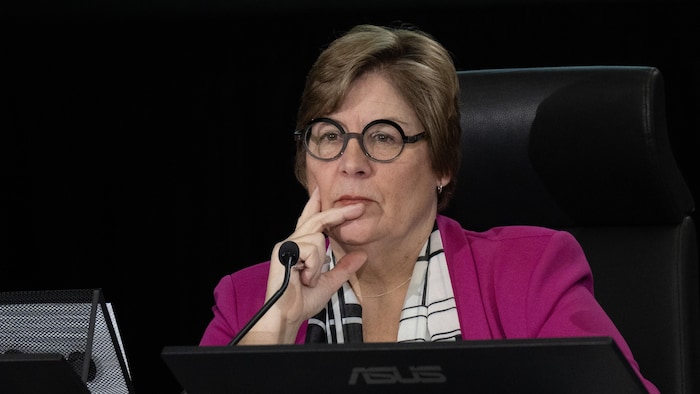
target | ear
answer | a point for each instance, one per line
(443, 181)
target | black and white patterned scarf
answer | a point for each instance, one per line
(429, 312)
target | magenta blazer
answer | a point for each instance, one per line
(509, 282)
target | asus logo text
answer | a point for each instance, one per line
(392, 375)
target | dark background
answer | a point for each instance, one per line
(146, 147)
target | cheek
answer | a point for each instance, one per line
(417, 185)
(311, 175)
(320, 171)
(416, 177)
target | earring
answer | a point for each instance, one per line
(439, 189)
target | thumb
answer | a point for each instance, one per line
(344, 269)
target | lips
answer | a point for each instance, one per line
(349, 200)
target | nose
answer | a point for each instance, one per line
(357, 148)
(354, 160)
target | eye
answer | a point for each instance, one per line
(329, 136)
(326, 133)
(383, 135)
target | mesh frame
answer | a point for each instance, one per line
(73, 323)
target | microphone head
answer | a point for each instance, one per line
(289, 252)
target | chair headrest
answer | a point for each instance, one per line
(566, 146)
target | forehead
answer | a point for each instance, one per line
(372, 96)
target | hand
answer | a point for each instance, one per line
(309, 289)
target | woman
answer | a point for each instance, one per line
(378, 150)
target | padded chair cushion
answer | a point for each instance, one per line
(534, 146)
(646, 278)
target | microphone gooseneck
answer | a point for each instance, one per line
(288, 255)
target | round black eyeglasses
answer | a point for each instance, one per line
(381, 140)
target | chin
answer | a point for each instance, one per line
(354, 232)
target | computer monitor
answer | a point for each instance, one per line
(557, 365)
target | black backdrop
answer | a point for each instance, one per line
(146, 146)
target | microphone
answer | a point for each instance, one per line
(288, 255)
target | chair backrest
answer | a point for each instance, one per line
(585, 149)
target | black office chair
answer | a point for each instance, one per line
(585, 149)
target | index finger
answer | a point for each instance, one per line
(313, 220)
(313, 206)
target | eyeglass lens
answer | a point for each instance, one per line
(379, 140)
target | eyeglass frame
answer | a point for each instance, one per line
(300, 134)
